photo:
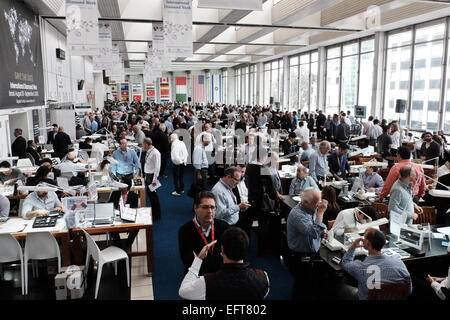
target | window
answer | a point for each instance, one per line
(303, 70)
(349, 79)
(333, 80)
(273, 81)
(429, 46)
(398, 54)
(266, 83)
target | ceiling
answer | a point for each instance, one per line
(283, 27)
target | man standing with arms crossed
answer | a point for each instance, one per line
(152, 166)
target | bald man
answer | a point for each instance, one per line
(304, 231)
(304, 224)
(301, 182)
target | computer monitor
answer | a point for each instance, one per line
(360, 111)
(411, 237)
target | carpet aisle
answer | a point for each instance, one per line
(177, 210)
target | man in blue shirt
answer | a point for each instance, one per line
(128, 162)
(318, 163)
(301, 182)
(376, 268)
(227, 208)
(40, 203)
(304, 232)
(94, 125)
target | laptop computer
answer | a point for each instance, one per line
(103, 213)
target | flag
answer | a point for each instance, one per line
(164, 90)
(180, 89)
(216, 88)
(199, 88)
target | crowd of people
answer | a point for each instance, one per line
(234, 152)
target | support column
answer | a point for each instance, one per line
(100, 91)
(379, 76)
(322, 79)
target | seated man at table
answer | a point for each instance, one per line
(10, 175)
(54, 173)
(69, 165)
(290, 144)
(372, 181)
(201, 230)
(305, 152)
(389, 269)
(348, 220)
(338, 162)
(301, 182)
(40, 203)
(129, 198)
(34, 151)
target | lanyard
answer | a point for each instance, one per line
(339, 159)
(211, 248)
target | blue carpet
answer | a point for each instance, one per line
(176, 211)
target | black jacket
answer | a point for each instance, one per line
(433, 150)
(189, 240)
(236, 281)
(51, 137)
(34, 154)
(160, 141)
(61, 144)
(18, 147)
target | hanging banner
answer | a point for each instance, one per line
(137, 92)
(22, 77)
(180, 89)
(125, 92)
(104, 60)
(216, 88)
(164, 90)
(36, 131)
(177, 16)
(150, 92)
(255, 5)
(82, 27)
(161, 61)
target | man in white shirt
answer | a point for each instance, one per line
(302, 132)
(70, 166)
(350, 117)
(179, 156)
(152, 166)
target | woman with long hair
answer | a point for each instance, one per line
(395, 136)
(333, 208)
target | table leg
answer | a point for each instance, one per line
(77, 248)
(149, 240)
(65, 243)
(142, 197)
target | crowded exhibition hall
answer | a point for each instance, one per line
(294, 150)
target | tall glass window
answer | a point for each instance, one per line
(426, 88)
(398, 68)
(333, 80)
(313, 85)
(293, 83)
(304, 81)
(349, 76)
(366, 74)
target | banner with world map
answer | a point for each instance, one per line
(22, 78)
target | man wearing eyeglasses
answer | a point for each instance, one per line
(227, 206)
(203, 229)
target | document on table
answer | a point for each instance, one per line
(153, 187)
(445, 230)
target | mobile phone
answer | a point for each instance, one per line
(444, 243)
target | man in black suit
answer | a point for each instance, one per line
(130, 198)
(430, 149)
(19, 145)
(61, 143)
(320, 124)
(52, 134)
(34, 150)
